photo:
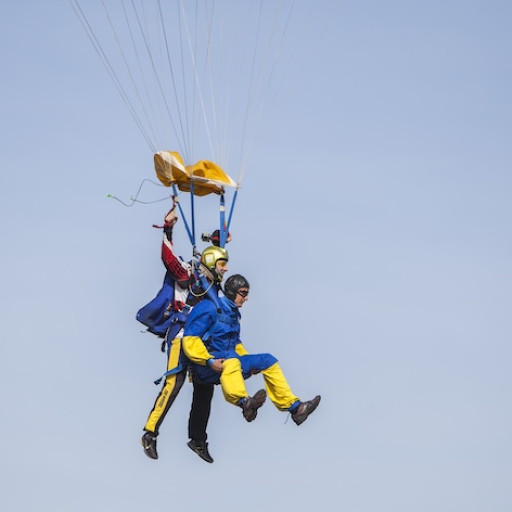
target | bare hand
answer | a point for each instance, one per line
(216, 365)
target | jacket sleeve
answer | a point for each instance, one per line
(195, 350)
(240, 349)
(200, 321)
(177, 267)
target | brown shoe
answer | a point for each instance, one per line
(252, 404)
(305, 409)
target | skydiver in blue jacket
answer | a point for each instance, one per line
(211, 340)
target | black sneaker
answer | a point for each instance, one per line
(201, 448)
(305, 409)
(148, 442)
(252, 404)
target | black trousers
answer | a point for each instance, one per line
(201, 399)
(200, 411)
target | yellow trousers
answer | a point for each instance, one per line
(278, 390)
(169, 391)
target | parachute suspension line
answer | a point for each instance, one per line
(289, 78)
(142, 75)
(185, 148)
(127, 66)
(158, 81)
(229, 97)
(209, 71)
(250, 145)
(155, 98)
(109, 68)
(186, 132)
(250, 90)
(196, 77)
(134, 199)
(280, 87)
(194, 94)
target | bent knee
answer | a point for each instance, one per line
(231, 365)
(268, 360)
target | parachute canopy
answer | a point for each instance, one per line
(203, 178)
(203, 74)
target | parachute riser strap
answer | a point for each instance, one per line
(211, 294)
(226, 232)
(193, 239)
(175, 199)
(222, 214)
(224, 227)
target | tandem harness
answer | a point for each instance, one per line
(158, 315)
(161, 318)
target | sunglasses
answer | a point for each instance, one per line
(243, 293)
(222, 263)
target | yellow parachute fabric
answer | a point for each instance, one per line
(206, 176)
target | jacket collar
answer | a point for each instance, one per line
(230, 305)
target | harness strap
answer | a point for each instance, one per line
(190, 234)
(172, 371)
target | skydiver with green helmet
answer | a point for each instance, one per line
(213, 266)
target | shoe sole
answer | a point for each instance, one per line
(256, 402)
(259, 398)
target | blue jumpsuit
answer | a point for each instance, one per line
(212, 331)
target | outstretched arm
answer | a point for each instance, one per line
(177, 267)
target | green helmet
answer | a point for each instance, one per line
(210, 256)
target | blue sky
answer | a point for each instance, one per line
(373, 225)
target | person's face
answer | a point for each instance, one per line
(221, 266)
(241, 297)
